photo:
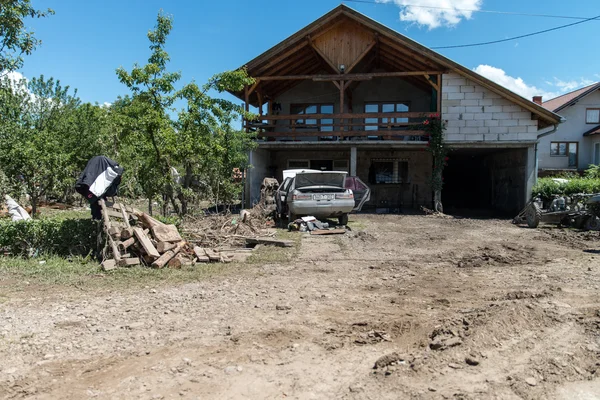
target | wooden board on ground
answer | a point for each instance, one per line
(165, 258)
(128, 262)
(109, 265)
(165, 246)
(166, 233)
(328, 232)
(269, 241)
(213, 255)
(146, 243)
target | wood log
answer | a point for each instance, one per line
(126, 233)
(179, 261)
(145, 242)
(165, 246)
(166, 233)
(269, 241)
(125, 216)
(165, 258)
(128, 262)
(147, 220)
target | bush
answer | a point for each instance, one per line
(546, 188)
(51, 236)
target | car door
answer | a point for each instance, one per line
(280, 196)
(362, 193)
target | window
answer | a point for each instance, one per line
(565, 149)
(307, 109)
(592, 116)
(385, 107)
(384, 171)
(340, 165)
(298, 164)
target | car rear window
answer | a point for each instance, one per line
(320, 179)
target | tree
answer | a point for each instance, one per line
(33, 121)
(201, 142)
(15, 39)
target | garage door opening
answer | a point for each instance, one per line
(485, 181)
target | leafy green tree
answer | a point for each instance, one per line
(32, 124)
(15, 39)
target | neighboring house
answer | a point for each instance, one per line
(347, 93)
(576, 144)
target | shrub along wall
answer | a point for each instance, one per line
(546, 187)
(61, 237)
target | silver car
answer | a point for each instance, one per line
(319, 194)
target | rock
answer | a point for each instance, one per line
(472, 361)
(455, 366)
(282, 307)
(531, 381)
(455, 341)
(388, 360)
(432, 389)
(233, 369)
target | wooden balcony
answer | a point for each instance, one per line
(348, 126)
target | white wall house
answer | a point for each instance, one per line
(576, 143)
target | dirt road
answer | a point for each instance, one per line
(463, 309)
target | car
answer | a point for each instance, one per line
(321, 194)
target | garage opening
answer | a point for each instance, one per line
(486, 181)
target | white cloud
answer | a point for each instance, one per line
(516, 85)
(436, 13)
(106, 104)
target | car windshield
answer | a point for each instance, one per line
(335, 179)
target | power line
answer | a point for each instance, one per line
(478, 11)
(517, 37)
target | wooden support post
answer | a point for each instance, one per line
(260, 103)
(439, 95)
(341, 86)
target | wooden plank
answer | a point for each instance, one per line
(410, 114)
(146, 243)
(213, 255)
(360, 57)
(124, 215)
(166, 233)
(203, 259)
(107, 225)
(342, 133)
(114, 213)
(270, 241)
(322, 55)
(109, 265)
(165, 258)
(328, 232)
(129, 262)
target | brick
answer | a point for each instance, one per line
(483, 116)
(483, 129)
(468, 131)
(456, 110)
(452, 130)
(499, 129)
(450, 89)
(509, 122)
(452, 116)
(473, 96)
(491, 95)
(491, 137)
(492, 122)
(502, 116)
(474, 110)
(456, 82)
(502, 102)
(474, 124)
(469, 103)
(456, 123)
(455, 137)
(527, 122)
(486, 102)
(468, 116)
(521, 115)
(456, 96)
(467, 89)
(509, 136)
(453, 103)
(532, 129)
(512, 108)
(517, 129)
(475, 138)
(493, 109)
(444, 96)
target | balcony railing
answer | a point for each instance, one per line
(383, 126)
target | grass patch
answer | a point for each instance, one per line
(356, 223)
(272, 254)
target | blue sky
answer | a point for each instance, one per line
(86, 41)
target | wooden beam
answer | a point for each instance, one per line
(253, 87)
(439, 95)
(276, 60)
(360, 57)
(346, 77)
(341, 86)
(434, 85)
(413, 114)
(383, 132)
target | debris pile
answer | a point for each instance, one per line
(314, 226)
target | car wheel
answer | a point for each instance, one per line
(343, 219)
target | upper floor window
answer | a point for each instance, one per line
(385, 107)
(592, 116)
(321, 124)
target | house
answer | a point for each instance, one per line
(348, 93)
(576, 144)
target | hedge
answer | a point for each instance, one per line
(546, 188)
(55, 236)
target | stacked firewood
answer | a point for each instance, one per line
(134, 238)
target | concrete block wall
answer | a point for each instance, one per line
(476, 114)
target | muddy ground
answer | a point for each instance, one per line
(445, 308)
